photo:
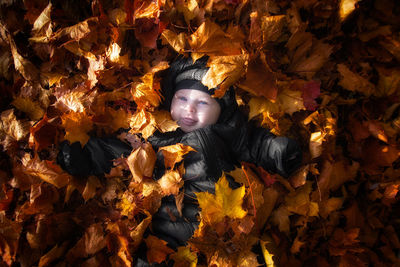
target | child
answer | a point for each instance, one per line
(214, 127)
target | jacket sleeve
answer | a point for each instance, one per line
(95, 158)
(275, 154)
(257, 145)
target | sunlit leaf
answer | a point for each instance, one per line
(225, 202)
(174, 154)
(77, 125)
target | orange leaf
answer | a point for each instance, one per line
(157, 250)
(210, 39)
(76, 125)
(174, 154)
(224, 71)
(45, 170)
(260, 81)
(171, 182)
(141, 162)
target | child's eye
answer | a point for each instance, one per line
(203, 103)
(182, 98)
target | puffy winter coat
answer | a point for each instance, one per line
(219, 147)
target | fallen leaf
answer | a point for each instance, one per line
(171, 182)
(141, 162)
(157, 249)
(174, 154)
(224, 71)
(77, 125)
(225, 202)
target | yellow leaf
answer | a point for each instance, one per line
(267, 256)
(224, 71)
(147, 92)
(210, 39)
(174, 154)
(184, 257)
(299, 201)
(31, 108)
(164, 122)
(141, 162)
(176, 41)
(225, 202)
(290, 101)
(76, 125)
(170, 182)
(346, 7)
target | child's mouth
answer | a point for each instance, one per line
(188, 121)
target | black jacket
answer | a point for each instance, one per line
(219, 148)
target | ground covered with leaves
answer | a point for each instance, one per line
(323, 72)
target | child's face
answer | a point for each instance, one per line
(194, 109)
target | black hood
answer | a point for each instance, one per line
(184, 73)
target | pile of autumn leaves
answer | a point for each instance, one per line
(79, 80)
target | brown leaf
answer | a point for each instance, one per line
(260, 80)
(45, 170)
(55, 253)
(210, 39)
(354, 82)
(9, 235)
(157, 250)
(141, 162)
(92, 184)
(91, 242)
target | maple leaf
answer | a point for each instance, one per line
(184, 257)
(190, 10)
(141, 162)
(280, 217)
(31, 108)
(174, 154)
(147, 92)
(76, 125)
(92, 184)
(157, 249)
(210, 39)
(353, 82)
(224, 71)
(177, 41)
(171, 182)
(260, 80)
(225, 202)
(290, 101)
(299, 201)
(45, 170)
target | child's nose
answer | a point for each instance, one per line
(190, 107)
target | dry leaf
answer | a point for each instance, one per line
(225, 202)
